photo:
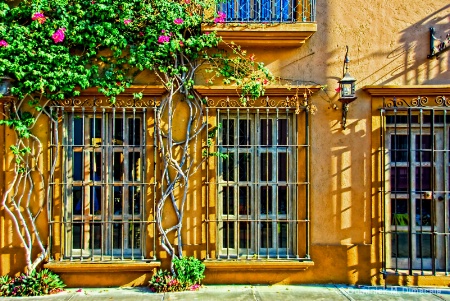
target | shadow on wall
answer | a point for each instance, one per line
(408, 64)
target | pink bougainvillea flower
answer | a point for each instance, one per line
(178, 21)
(39, 17)
(163, 39)
(59, 36)
(265, 81)
(252, 57)
(338, 89)
(163, 31)
(141, 33)
(220, 17)
(195, 287)
(181, 43)
(127, 21)
(3, 43)
(187, 1)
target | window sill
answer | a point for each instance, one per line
(253, 265)
(87, 267)
(264, 34)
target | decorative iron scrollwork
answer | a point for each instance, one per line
(417, 102)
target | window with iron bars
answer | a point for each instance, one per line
(416, 174)
(277, 11)
(103, 183)
(258, 187)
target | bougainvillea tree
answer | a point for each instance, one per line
(52, 49)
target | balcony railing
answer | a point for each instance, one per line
(272, 11)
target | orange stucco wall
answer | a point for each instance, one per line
(389, 43)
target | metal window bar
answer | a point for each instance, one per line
(253, 220)
(272, 11)
(98, 233)
(422, 245)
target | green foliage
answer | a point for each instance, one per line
(106, 43)
(40, 283)
(189, 270)
(189, 274)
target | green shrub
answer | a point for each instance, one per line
(189, 271)
(40, 283)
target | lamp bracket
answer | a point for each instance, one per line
(441, 47)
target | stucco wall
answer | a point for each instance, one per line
(389, 43)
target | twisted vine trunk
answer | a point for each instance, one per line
(17, 199)
(178, 154)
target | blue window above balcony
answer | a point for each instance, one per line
(276, 11)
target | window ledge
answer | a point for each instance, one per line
(264, 34)
(72, 267)
(251, 265)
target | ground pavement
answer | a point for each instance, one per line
(252, 293)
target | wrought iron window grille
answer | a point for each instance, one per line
(269, 11)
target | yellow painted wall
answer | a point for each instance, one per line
(388, 42)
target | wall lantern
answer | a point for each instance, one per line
(346, 90)
(5, 85)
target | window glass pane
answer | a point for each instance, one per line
(244, 133)
(266, 132)
(283, 132)
(399, 179)
(118, 166)
(266, 200)
(134, 166)
(228, 200)
(393, 119)
(78, 133)
(117, 235)
(134, 131)
(282, 235)
(96, 235)
(228, 167)
(399, 212)
(134, 200)
(95, 166)
(400, 245)
(245, 199)
(244, 235)
(282, 199)
(77, 166)
(266, 167)
(95, 205)
(282, 167)
(134, 240)
(244, 166)
(118, 138)
(228, 235)
(423, 245)
(423, 178)
(118, 200)
(77, 230)
(399, 148)
(423, 212)
(77, 200)
(425, 150)
(266, 235)
(228, 132)
(96, 131)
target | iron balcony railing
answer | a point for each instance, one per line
(273, 11)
